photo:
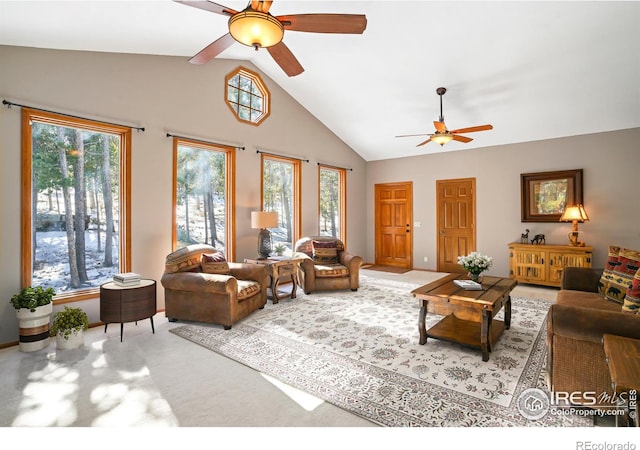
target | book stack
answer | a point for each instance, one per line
(468, 285)
(126, 279)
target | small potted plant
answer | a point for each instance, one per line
(33, 306)
(68, 327)
(280, 248)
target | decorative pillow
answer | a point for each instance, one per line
(613, 261)
(325, 252)
(632, 299)
(214, 263)
(186, 259)
(622, 276)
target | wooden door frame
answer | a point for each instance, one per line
(475, 236)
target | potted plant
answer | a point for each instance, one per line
(68, 327)
(33, 306)
(280, 248)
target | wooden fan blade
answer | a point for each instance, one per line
(459, 138)
(285, 59)
(212, 50)
(413, 135)
(440, 127)
(208, 6)
(422, 143)
(325, 23)
(472, 129)
(260, 5)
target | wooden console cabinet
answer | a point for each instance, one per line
(544, 264)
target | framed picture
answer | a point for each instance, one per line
(544, 195)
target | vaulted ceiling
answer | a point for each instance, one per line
(534, 70)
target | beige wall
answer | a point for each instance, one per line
(611, 164)
(166, 94)
(162, 94)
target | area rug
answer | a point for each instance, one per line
(359, 351)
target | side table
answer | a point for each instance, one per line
(120, 304)
(280, 268)
(623, 359)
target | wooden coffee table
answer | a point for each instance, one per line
(468, 314)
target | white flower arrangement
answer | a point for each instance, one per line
(475, 262)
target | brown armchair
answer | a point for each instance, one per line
(220, 292)
(326, 265)
(575, 326)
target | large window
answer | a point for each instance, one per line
(332, 201)
(203, 195)
(75, 197)
(281, 193)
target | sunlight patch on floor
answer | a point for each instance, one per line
(307, 401)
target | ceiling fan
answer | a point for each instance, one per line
(256, 27)
(442, 135)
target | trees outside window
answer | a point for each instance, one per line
(75, 202)
(203, 195)
(281, 193)
(332, 201)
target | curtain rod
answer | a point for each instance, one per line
(334, 167)
(283, 156)
(10, 104)
(205, 142)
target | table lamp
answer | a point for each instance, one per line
(264, 220)
(574, 214)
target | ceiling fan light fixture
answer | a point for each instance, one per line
(255, 28)
(441, 138)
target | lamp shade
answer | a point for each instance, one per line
(256, 28)
(264, 219)
(441, 138)
(576, 213)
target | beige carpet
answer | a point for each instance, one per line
(385, 268)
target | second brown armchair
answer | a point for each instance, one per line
(326, 265)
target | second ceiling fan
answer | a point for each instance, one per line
(442, 135)
(256, 27)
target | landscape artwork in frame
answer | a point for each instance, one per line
(544, 195)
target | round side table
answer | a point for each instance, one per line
(120, 304)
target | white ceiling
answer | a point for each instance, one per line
(534, 70)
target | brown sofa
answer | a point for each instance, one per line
(191, 294)
(344, 273)
(575, 326)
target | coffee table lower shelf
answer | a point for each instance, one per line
(465, 332)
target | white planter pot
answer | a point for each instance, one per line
(75, 339)
(34, 327)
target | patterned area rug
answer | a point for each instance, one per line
(359, 351)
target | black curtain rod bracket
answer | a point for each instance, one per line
(10, 104)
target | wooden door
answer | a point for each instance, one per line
(394, 224)
(456, 218)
